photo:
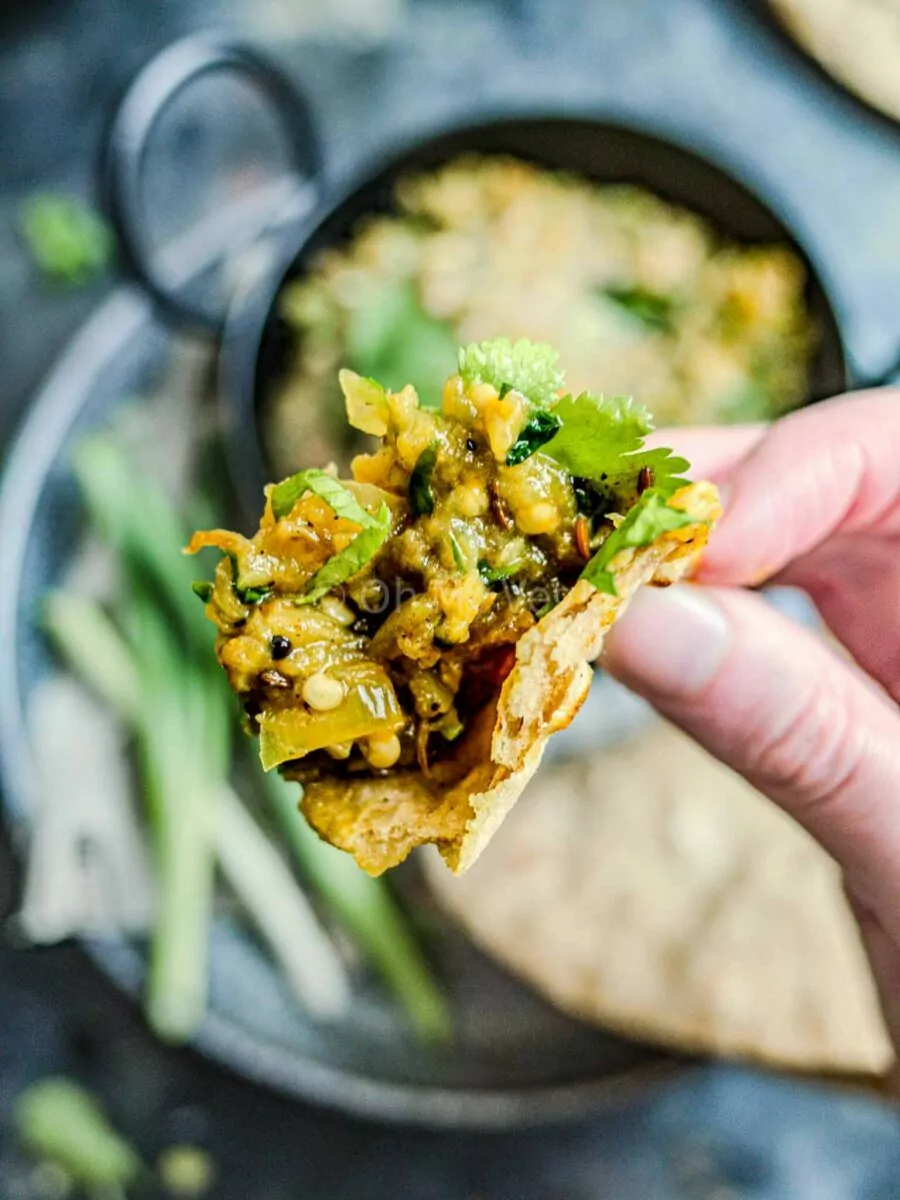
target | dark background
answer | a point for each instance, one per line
(703, 70)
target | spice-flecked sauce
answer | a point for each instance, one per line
(386, 669)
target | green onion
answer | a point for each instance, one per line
(137, 518)
(60, 1121)
(537, 432)
(249, 862)
(175, 732)
(87, 639)
(281, 912)
(367, 910)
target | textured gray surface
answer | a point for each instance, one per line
(708, 74)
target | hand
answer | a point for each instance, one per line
(811, 501)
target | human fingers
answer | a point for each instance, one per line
(712, 450)
(827, 470)
(772, 701)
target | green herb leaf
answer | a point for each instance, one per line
(602, 440)
(390, 337)
(536, 433)
(65, 237)
(651, 310)
(247, 595)
(254, 595)
(650, 517)
(459, 559)
(345, 565)
(523, 366)
(341, 501)
(421, 497)
(490, 576)
(202, 588)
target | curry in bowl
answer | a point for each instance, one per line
(630, 289)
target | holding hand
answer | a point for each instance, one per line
(812, 501)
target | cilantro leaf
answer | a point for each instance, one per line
(202, 588)
(602, 440)
(651, 310)
(421, 497)
(353, 558)
(391, 337)
(536, 433)
(526, 367)
(650, 517)
(344, 504)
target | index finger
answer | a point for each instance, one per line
(712, 450)
(829, 469)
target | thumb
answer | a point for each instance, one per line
(772, 701)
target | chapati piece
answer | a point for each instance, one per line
(652, 891)
(857, 41)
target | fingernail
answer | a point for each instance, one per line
(671, 641)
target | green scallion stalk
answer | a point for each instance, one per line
(86, 637)
(137, 518)
(282, 914)
(369, 913)
(181, 803)
(190, 733)
(59, 1121)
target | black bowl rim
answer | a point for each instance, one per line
(254, 302)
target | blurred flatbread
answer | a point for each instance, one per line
(652, 891)
(857, 41)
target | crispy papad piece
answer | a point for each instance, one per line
(380, 821)
(650, 890)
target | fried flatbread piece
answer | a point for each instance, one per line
(379, 821)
